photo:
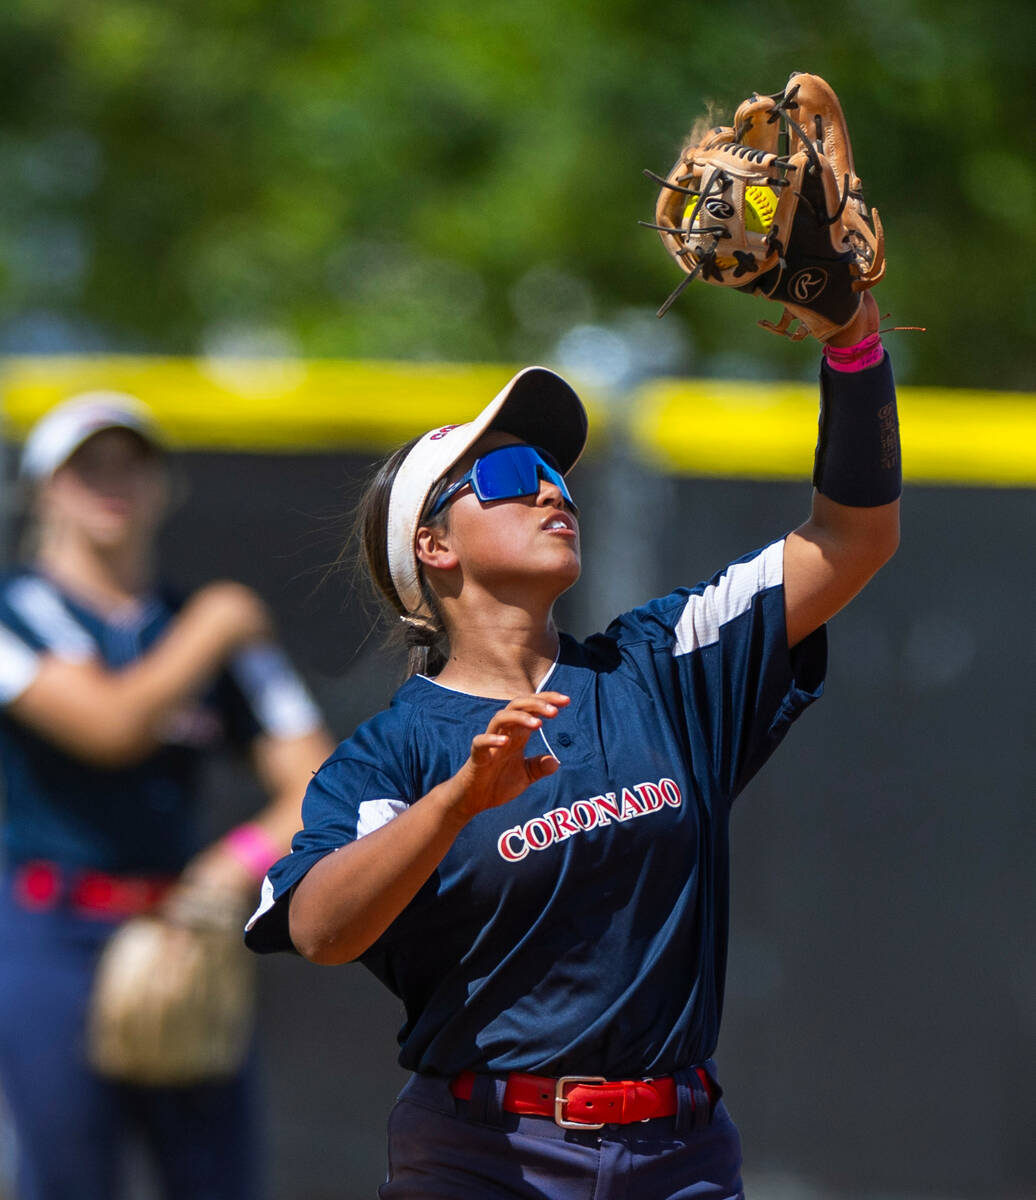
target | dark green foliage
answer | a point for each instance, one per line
(351, 178)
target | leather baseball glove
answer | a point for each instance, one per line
(172, 1000)
(772, 205)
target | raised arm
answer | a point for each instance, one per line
(114, 718)
(853, 529)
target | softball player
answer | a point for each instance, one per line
(112, 691)
(530, 846)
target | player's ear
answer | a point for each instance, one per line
(433, 548)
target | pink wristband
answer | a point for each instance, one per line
(867, 353)
(253, 847)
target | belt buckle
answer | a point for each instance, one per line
(560, 1100)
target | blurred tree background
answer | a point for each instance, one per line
(444, 180)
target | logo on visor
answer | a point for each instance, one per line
(441, 433)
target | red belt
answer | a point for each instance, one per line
(43, 885)
(586, 1101)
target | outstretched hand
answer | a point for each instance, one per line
(497, 769)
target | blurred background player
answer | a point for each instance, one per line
(113, 690)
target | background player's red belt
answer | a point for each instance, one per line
(586, 1101)
(41, 885)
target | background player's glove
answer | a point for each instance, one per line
(173, 994)
(771, 205)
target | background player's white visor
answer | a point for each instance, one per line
(58, 434)
(537, 406)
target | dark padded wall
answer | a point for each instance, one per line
(879, 1029)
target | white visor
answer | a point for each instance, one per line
(537, 406)
(58, 434)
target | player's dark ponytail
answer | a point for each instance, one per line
(424, 637)
(426, 645)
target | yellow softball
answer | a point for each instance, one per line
(760, 206)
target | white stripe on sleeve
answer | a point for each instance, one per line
(19, 666)
(372, 814)
(732, 595)
(278, 697)
(265, 902)
(40, 606)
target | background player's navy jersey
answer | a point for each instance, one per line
(134, 819)
(582, 927)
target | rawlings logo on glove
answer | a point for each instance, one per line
(772, 205)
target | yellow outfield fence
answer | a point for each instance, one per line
(265, 405)
(767, 431)
(683, 426)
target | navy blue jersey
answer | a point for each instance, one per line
(582, 927)
(140, 818)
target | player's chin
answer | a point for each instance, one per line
(557, 561)
(568, 572)
(557, 573)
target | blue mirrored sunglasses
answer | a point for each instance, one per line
(506, 473)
